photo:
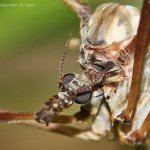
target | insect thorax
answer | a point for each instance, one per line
(107, 51)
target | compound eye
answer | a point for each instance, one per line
(68, 78)
(84, 96)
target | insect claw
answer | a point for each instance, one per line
(127, 122)
(134, 139)
(47, 124)
(37, 116)
(43, 117)
(122, 119)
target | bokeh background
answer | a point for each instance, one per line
(33, 34)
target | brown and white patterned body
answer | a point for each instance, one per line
(106, 57)
(107, 52)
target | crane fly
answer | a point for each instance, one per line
(114, 88)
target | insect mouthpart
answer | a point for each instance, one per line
(73, 89)
(53, 107)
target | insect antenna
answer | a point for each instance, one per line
(62, 62)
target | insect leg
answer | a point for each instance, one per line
(81, 8)
(138, 136)
(140, 47)
(69, 125)
(99, 128)
(144, 130)
(62, 129)
(93, 111)
(101, 122)
(21, 117)
(83, 11)
(60, 124)
(141, 120)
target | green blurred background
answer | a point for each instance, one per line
(33, 34)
